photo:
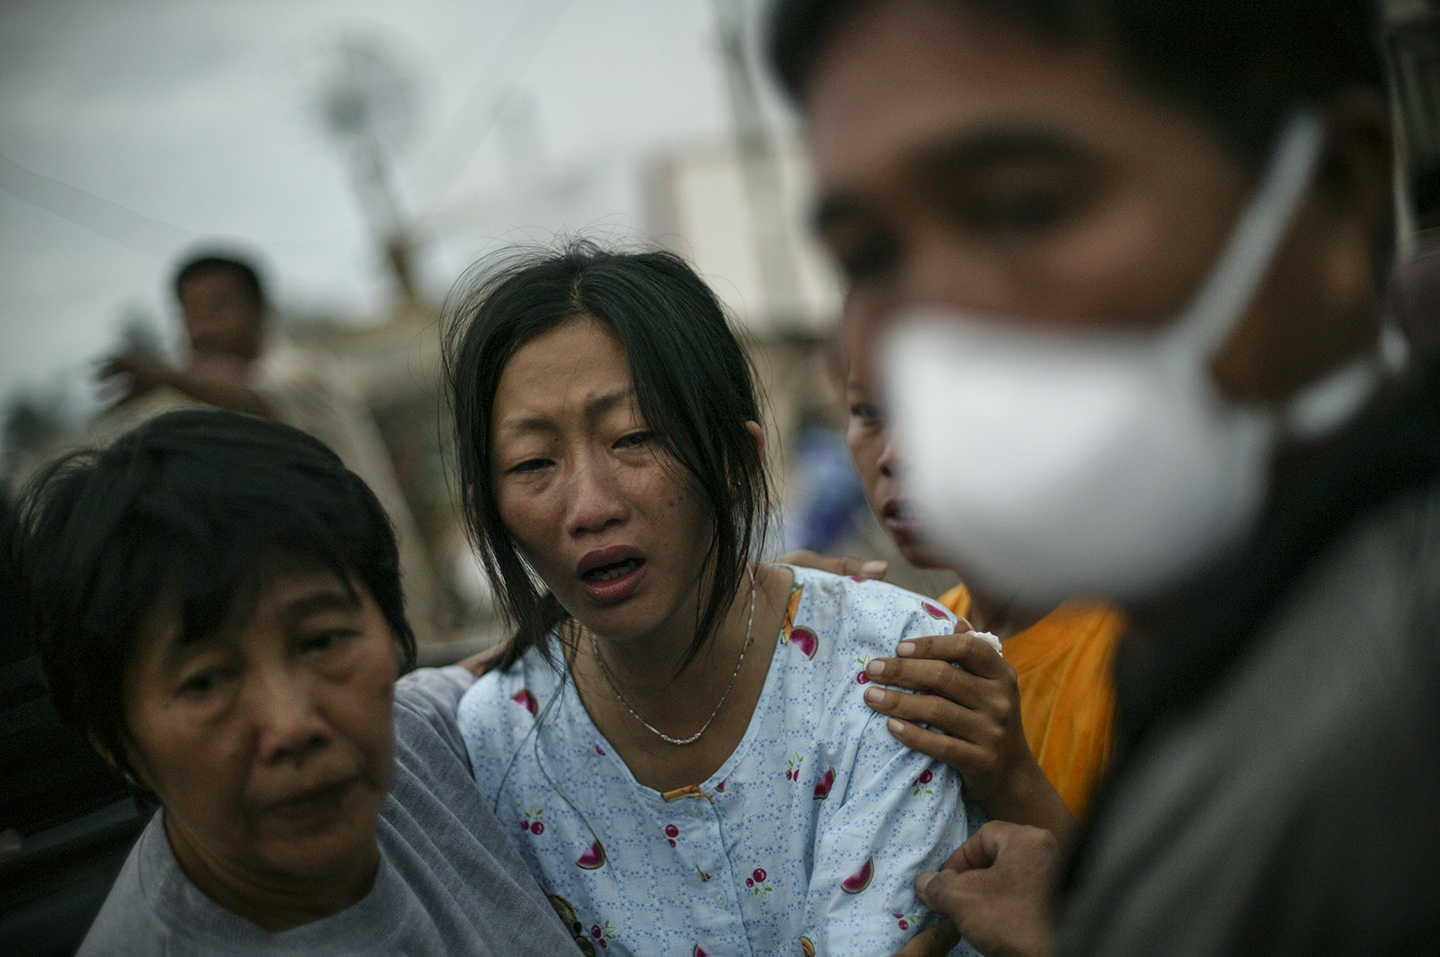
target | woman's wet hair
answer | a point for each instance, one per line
(693, 383)
(188, 513)
(1242, 66)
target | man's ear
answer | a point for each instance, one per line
(1355, 189)
(758, 435)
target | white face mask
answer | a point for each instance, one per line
(1047, 465)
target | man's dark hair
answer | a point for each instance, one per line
(206, 263)
(1242, 66)
(693, 384)
(190, 509)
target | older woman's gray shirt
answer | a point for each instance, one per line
(449, 882)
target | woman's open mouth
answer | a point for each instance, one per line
(611, 575)
(612, 571)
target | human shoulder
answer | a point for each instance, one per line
(861, 616)
(1317, 745)
(128, 921)
(530, 679)
(433, 691)
(427, 728)
(153, 910)
(502, 709)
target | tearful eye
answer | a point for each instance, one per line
(635, 439)
(529, 465)
(203, 682)
(325, 641)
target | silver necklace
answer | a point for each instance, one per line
(605, 670)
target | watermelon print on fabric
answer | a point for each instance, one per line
(814, 827)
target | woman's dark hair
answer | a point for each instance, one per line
(1242, 66)
(693, 384)
(189, 508)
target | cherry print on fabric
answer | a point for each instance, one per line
(792, 772)
(756, 882)
(532, 822)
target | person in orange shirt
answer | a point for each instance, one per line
(1061, 661)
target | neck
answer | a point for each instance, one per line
(650, 675)
(651, 671)
(1003, 619)
(274, 901)
(679, 702)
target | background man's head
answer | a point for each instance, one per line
(1082, 163)
(223, 304)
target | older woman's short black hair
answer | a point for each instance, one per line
(187, 509)
(693, 383)
(1242, 66)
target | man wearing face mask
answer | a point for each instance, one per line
(1117, 270)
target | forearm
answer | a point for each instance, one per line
(218, 392)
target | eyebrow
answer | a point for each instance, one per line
(594, 409)
(324, 599)
(953, 158)
(319, 601)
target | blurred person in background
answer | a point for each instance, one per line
(1054, 673)
(1117, 268)
(236, 361)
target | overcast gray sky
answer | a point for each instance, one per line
(160, 123)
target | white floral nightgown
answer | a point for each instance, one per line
(807, 839)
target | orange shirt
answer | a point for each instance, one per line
(1067, 699)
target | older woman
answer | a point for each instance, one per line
(218, 605)
(676, 739)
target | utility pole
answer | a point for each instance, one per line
(760, 169)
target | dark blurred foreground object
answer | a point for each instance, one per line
(1302, 707)
(1415, 296)
(1278, 741)
(1413, 49)
(66, 820)
(1414, 301)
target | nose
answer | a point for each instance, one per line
(889, 460)
(596, 500)
(289, 725)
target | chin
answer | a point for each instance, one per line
(335, 854)
(921, 556)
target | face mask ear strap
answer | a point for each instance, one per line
(1248, 254)
(1323, 406)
